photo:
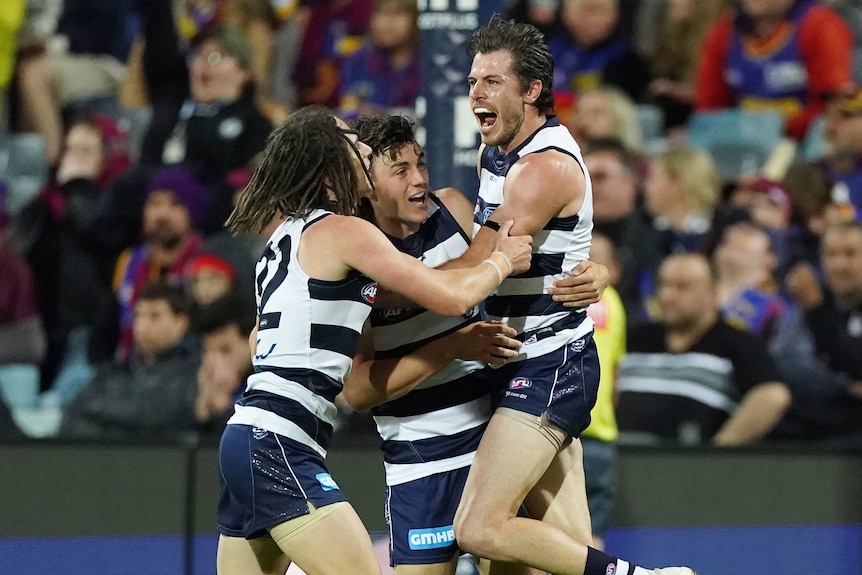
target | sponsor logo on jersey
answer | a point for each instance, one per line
(326, 481)
(369, 292)
(432, 538)
(258, 433)
(520, 383)
(611, 569)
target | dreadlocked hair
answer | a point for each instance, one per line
(308, 163)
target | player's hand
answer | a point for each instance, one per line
(517, 248)
(583, 287)
(486, 341)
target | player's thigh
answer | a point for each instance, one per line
(559, 497)
(447, 568)
(511, 459)
(240, 556)
(336, 543)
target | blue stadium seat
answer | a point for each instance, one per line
(742, 139)
(651, 119)
(24, 167)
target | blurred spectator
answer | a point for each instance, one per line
(588, 53)
(255, 19)
(692, 378)
(224, 329)
(385, 74)
(66, 63)
(204, 114)
(599, 439)
(152, 395)
(72, 268)
(543, 14)
(334, 30)
(745, 263)
(829, 389)
(844, 163)
(285, 51)
(808, 188)
(22, 337)
(681, 193)
(617, 213)
(675, 57)
(224, 268)
(780, 55)
(606, 112)
(173, 209)
(834, 316)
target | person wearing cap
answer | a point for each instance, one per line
(776, 55)
(844, 165)
(204, 112)
(174, 208)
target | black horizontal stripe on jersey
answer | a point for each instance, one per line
(347, 289)
(420, 401)
(316, 428)
(334, 338)
(310, 379)
(526, 305)
(408, 348)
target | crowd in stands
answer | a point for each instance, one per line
(735, 249)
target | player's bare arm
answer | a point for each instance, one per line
(374, 381)
(336, 244)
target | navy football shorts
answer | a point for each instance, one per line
(267, 479)
(420, 514)
(562, 384)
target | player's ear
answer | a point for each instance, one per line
(533, 92)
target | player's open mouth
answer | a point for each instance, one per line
(418, 198)
(486, 117)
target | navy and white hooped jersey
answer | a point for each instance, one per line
(522, 301)
(307, 336)
(437, 426)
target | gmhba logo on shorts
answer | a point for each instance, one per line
(432, 538)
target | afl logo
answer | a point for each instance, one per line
(611, 570)
(520, 383)
(369, 292)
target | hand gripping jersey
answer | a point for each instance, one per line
(437, 426)
(307, 337)
(521, 301)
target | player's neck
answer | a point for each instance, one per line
(531, 124)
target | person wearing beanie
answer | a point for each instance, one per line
(175, 204)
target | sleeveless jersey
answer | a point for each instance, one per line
(437, 426)
(773, 81)
(522, 301)
(307, 337)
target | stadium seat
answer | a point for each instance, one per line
(24, 167)
(651, 120)
(739, 140)
(811, 148)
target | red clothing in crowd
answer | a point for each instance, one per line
(813, 34)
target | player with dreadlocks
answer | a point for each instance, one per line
(314, 291)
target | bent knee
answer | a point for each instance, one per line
(476, 536)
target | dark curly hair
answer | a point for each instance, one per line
(307, 159)
(531, 56)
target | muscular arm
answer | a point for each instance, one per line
(338, 243)
(538, 188)
(375, 381)
(758, 412)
